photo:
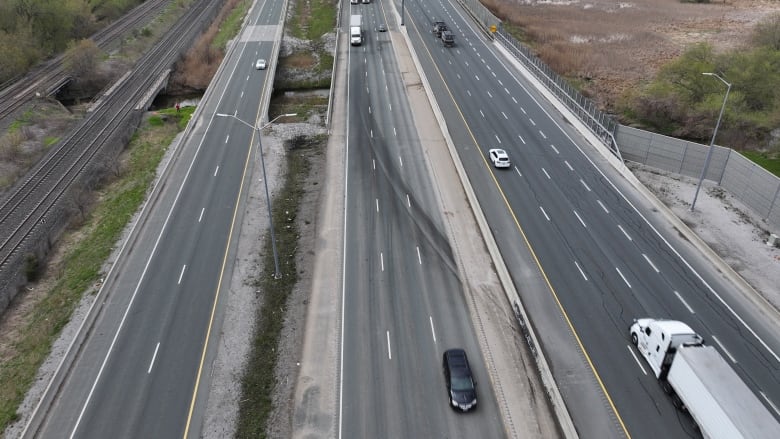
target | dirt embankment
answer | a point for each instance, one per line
(612, 46)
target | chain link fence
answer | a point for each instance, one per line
(597, 121)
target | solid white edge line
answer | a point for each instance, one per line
(636, 359)
(344, 267)
(725, 351)
(769, 401)
(679, 296)
(154, 356)
(138, 285)
(652, 227)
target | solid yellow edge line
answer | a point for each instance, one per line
(221, 274)
(533, 254)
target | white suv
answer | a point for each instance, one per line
(499, 158)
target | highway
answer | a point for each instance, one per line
(403, 303)
(144, 369)
(600, 254)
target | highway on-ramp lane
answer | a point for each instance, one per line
(144, 367)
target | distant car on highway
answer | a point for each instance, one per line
(461, 387)
(261, 64)
(500, 158)
(382, 28)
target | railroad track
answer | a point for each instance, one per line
(49, 77)
(23, 213)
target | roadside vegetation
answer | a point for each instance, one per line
(23, 143)
(258, 382)
(78, 270)
(310, 64)
(195, 70)
(646, 68)
(33, 30)
(682, 102)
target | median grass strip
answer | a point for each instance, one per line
(81, 265)
(258, 381)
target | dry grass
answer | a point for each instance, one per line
(201, 62)
(610, 47)
(299, 60)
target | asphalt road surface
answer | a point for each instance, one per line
(403, 303)
(143, 371)
(604, 256)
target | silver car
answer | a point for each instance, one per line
(261, 64)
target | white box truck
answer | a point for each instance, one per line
(701, 382)
(355, 30)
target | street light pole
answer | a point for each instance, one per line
(277, 273)
(712, 142)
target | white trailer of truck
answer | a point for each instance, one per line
(702, 382)
(355, 30)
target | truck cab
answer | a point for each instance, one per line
(658, 340)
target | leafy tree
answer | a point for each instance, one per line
(18, 51)
(684, 74)
(82, 57)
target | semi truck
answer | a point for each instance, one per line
(701, 382)
(356, 30)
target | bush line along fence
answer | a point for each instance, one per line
(748, 182)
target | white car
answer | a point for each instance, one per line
(261, 64)
(499, 158)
